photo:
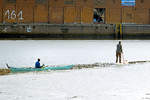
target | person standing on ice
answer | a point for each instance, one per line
(119, 52)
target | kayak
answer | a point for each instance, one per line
(14, 69)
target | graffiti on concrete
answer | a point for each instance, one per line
(29, 29)
(13, 14)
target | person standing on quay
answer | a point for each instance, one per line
(119, 52)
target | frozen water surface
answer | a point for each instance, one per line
(125, 82)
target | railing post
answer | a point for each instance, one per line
(118, 31)
(121, 34)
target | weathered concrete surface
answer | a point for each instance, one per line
(135, 31)
(58, 31)
(75, 31)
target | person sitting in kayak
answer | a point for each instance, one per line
(119, 52)
(37, 64)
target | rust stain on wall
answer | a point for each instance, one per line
(72, 11)
(56, 15)
(69, 15)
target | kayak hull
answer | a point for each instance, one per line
(14, 69)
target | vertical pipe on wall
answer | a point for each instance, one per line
(105, 16)
(33, 13)
(48, 13)
(16, 12)
(81, 15)
(149, 16)
(120, 11)
(63, 15)
(2, 15)
(118, 31)
(121, 34)
(3, 5)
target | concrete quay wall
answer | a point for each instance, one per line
(57, 31)
(135, 31)
(75, 31)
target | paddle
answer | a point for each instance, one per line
(43, 66)
(124, 61)
(7, 66)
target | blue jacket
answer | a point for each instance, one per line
(37, 64)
